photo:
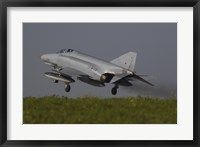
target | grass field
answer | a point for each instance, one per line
(94, 110)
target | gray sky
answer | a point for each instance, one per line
(155, 44)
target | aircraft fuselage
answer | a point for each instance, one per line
(84, 64)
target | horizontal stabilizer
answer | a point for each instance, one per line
(141, 79)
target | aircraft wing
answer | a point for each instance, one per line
(72, 72)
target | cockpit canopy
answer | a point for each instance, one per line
(65, 51)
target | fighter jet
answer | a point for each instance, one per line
(68, 64)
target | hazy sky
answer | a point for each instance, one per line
(155, 44)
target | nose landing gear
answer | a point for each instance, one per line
(67, 87)
(114, 90)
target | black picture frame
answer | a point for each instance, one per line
(96, 3)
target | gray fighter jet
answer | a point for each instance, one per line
(69, 63)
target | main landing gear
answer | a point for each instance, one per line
(67, 87)
(114, 90)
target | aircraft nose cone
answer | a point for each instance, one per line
(49, 58)
(44, 57)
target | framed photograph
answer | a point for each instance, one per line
(99, 73)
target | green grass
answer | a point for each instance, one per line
(94, 110)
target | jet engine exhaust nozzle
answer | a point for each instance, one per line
(106, 77)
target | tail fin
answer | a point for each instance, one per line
(126, 61)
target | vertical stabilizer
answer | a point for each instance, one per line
(126, 61)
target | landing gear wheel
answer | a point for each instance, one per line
(114, 91)
(67, 88)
